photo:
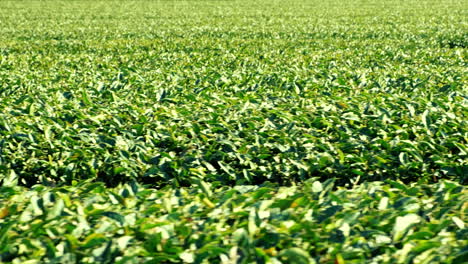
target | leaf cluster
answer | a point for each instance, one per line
(312, 223)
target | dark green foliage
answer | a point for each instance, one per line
(88, 223)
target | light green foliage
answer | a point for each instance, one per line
(89, 223)
(233, 91)
(233, 131)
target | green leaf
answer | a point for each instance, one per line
(56, 209)
(425, 245)
(123, 242)
(187, 257)
(117, 217)
(317, 187)
(458, 222)
(10, 180)
(402, 225)
(205, 187)
(426, 119)
(4, 228)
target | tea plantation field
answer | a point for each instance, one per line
(233, 131)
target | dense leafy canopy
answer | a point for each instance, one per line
(372, 223)
(232, 91)
(233, 131)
